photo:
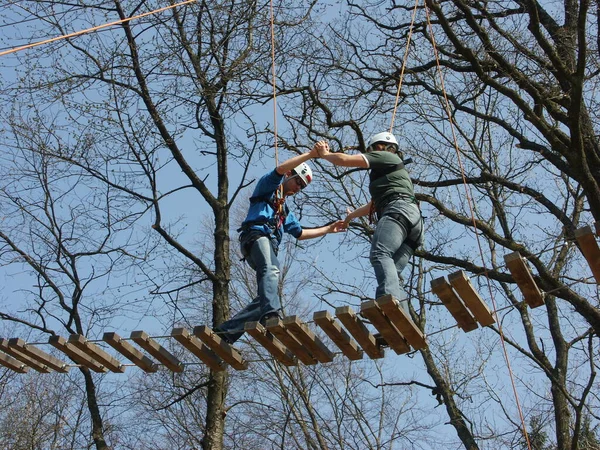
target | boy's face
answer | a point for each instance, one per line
(292, 185)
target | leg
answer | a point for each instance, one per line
(263, 260)
(387, 240)
(404, 253)
(401, 258)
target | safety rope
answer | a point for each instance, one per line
(470, 203)
(89, 30)
(410, 30)
(279, 198)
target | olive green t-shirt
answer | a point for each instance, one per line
(388, 177)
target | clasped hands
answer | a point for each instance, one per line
(321, 150)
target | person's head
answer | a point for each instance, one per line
(382, 142)
(297, 179)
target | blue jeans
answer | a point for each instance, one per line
(262, 258)
(389, 250)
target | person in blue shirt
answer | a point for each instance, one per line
(262, 231)
(399, 230)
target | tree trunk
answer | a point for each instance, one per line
(96, 417)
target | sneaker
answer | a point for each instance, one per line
(269, 316)
(226, 339)
(380, 340)
(222, 335)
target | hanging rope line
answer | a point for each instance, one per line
(471, 209)
(279, 199)
(410, 30)
(274, 81)
(96, 28)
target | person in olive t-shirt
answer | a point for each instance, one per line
(399, 230)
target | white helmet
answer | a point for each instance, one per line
(384, 137)
(304, 172)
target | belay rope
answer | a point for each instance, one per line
(278, 207)
(279, 197)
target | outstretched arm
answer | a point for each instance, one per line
(311, 233)
(358, 212)
(341, 159)
(291, 163)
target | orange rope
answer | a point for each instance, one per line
(89, 30)
(279, 194)
(274, 79)
(403, 65)
(470, 203)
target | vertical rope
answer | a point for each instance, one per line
(279, 193)
(274, 80)
(403, 66)
(470, 203)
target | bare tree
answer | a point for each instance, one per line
(145, 116)
(516, 169)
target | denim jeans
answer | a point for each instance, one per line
(262, 258)
(390, 252)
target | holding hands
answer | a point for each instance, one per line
(320, 150)
(338, 226)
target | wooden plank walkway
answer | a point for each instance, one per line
(402, 321)
(96, 353)
(472, 300)
(522, 275)
(371, 311)
(459, 311)
(338, 335)
(308, 339)
(289, 340)
(196, 347)
(589, 247)
(38, 355)
(130, 352)
(221, 348)
(277, 328)
(75, 354)
(270, 343)
(14, 364)
(163, 355)
(20, 356)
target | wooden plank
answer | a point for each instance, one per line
(394, 312)
(12, 363)
(272, 345)
(390, 333)
(462, 285)
(15, 353)
(308, 339)
(463, 317)
(75, 354)
(338, 335)
(38, 355)
(224, 350)
(275, 326)
(522, 276)
(95, 352)
(197, 348)
(156, 350)
(130, 352)
(589, 247)
(359, 331)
